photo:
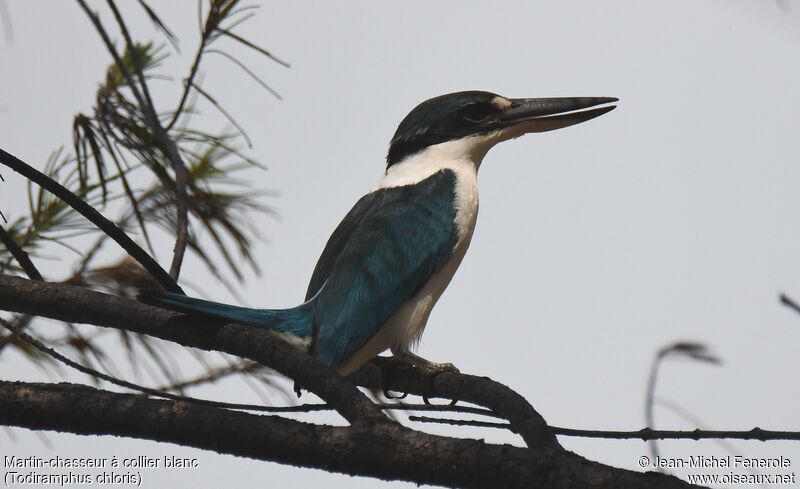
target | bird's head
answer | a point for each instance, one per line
(479, 120)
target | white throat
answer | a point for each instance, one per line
(460, 155)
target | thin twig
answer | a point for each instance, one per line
(461, 422)
(90, 213)
(137, 64)
(211, 376)
(695, 421)
(95, 19)
(448, 408)
(168, 146)
(788, 302)
(8, 27)
(248, 71)
(192, 72)
(21, 321)
(128, 191)
(253, 46)
(303, 408)
(153, 392)
(648, 434)
(690, 350)
(648, 403)
(20, 255)
(160, 25)
(227, 115)
(643, 434)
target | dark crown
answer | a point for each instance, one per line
(440, 119)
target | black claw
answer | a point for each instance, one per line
(428, 376)
(385, 377)
(402, 396)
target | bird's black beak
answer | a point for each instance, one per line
(526, 115)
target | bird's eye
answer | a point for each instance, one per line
(477, 112)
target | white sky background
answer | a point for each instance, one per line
(671, 218)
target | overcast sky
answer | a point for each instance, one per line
(672, 218)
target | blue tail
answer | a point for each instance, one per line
(296, 320)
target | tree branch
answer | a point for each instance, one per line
(90, 213)
(20, 255)
(78, 305)
(390, 374)
(371, 445)
(388, 451)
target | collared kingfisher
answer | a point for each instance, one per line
(389, 260)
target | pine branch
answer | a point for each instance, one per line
(90, 213)
(166, 143)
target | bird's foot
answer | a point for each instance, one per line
(417, 361)
(428, 371)
(428, 375)
(438, 368)
(386, 381)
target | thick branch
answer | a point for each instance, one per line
(499, 398)
(78, 305)
(386, 451)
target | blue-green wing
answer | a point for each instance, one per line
(381, 255)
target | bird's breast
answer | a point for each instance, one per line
(408, 323)
(466, 205)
